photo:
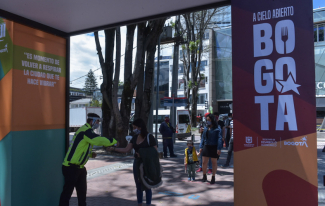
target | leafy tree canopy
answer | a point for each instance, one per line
(90, 83)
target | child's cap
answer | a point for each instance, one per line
(189, 142)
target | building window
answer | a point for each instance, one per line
(203, 64)
(181, 53)
(202, 83)
(181, 83)
(321, 33)
(206, 35)
(162, 63)
(201, 98)
(180, 68)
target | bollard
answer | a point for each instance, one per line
(193, 137)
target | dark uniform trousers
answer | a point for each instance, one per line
(168, 143)
(74, 177)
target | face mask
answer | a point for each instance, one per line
(190, 147)
(136, 131)
(208, 123)
(167, 120)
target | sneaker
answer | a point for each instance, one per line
(189, 179)
(204, 178)
(225, 165)
(213, 180)
(209, 171)
(199, 170)
(173, 155)
(193, 179)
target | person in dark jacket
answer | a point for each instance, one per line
(167, 130)
(210, 146)
(138, 141)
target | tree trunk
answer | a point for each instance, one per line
(127, 95)
(194, 105)
(106, 89)
(150, 64)
(139, 68)
(108, 78)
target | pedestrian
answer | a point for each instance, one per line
(227, 126)
(221, 124)
(190, 160)
(167, 130)
(210, 146)
(73, 167)
(231, 144)
(141, 139)
(209, 163)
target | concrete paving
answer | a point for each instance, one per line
(110, 181)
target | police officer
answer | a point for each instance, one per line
(167, 134)
(73, 169)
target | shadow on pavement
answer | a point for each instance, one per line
(119, 189)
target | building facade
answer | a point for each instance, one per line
(319, 42)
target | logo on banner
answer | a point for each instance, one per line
(280, 74)
(303, 142)
(249, 142)
(268, 142)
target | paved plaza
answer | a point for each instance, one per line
(110, 181)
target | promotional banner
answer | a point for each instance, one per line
(32, 115)
(275, 157)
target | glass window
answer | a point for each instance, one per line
(321, 33)
(181, 84)
(206, 35)
(181, 53)
(201, 99)
(203, 64)
(202, 83)
(161, 118)
(162, 63)
(315, 33)
(180, 68)
(183, 119)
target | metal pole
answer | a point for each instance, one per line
(157, 88)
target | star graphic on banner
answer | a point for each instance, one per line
(289, 85)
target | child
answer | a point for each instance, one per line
(190, 160)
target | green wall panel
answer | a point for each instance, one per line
(5, 170)
(36, 167)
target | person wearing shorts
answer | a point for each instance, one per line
(210, 146)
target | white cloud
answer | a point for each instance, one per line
(83, 56)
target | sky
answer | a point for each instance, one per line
(83, 54)
(319, 3)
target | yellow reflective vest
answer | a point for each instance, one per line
(82, 145)
(195, 159)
